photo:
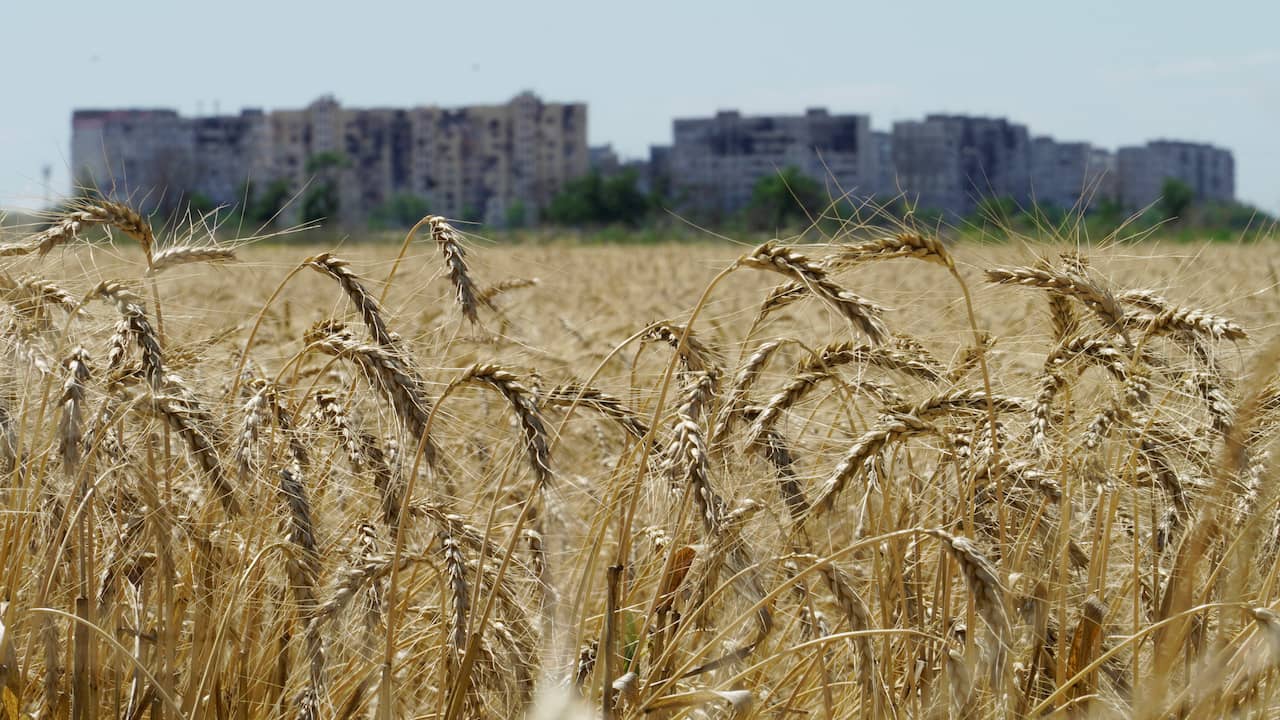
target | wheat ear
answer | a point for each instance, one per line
(449, 241)
(526, 411)
(179, 255)
(370, 310)
(787, 261)
(85, 214)
(608, 405)
(1094, 296)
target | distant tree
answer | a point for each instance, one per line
(399, 211)
(200, 204)
(1233, 216)
(326, 160)
(1175, 199)
(1109, 211)
(1045, 214)
(784, 197)
(596, 200)
(517, 215)
(263, 208)
(577, 203)
(621, 200)
(998, 210)
(320, 202)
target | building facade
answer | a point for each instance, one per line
(504, 163)
(943, 162)
(1070, 175)
(1142, 171)
(952, 162)
(134, 153)
(487, 163)
(714, 163)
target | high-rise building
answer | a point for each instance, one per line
(484, 163)
(1209, 171)
(1070, 175)
(715, 163)
(952, 162)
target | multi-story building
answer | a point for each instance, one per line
(947, 163)
(140, 154)
(886, 183)
(1209, 171)
(500, 163)
(656, 177)
(951, 162)
(604, 160)
(481, 162)
(227, 151)
(1069, 175)
(715, 163)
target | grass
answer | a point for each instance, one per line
(880, 475)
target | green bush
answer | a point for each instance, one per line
(783, 198)
(596, 200)
(399, 211)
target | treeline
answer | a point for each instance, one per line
(791, 200)
(620, 203)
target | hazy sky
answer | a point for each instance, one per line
(1113, 73)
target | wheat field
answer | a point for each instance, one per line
(874, 476)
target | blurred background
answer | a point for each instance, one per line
(586, 115)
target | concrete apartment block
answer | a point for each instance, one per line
(1103, 164)
(951, 162)
(1070, 175)
(133, 154)
(926, 163)
(886, 183)
(714, 163)
(227, 151)
(1209, 171)
(506, 162)
(603, 159)
(479, 162)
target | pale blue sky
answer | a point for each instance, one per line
(1108, 72)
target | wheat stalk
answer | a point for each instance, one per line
(743, 381)
(31, 295)
(608, 405)
(449, 241)
(526, 411)
(1163, 315)
(903, 245)
(861, 313)
(70, 428)
(1094, 296)
(866, 447)
(696, 356)
(133, 324)
(389, 375)
(85, 214)
(984, 586)
(178, 255)
(685, 456)
(364, 453)
(486, 296)
(370, 309)
(198, 430)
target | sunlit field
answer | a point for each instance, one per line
(880, 475)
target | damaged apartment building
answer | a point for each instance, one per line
(484, 163)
